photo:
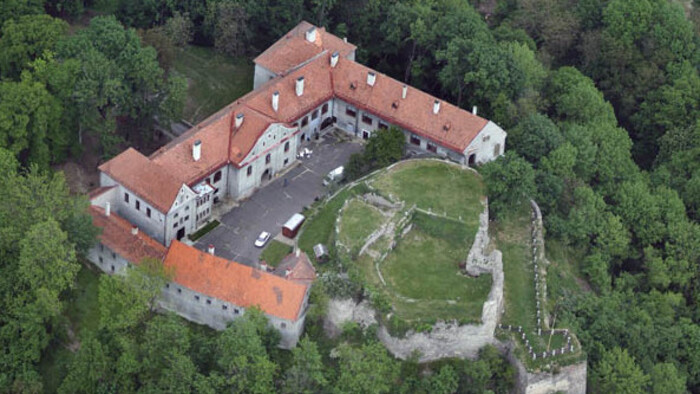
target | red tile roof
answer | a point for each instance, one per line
(235, 283)
(117, 236)
(155, 184)
(452, 127)
(301, 269)
(294, 49)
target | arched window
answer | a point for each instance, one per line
(268, 158)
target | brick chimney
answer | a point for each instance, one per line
(474, 110)
(197, 150)
(404, 91)
(239, 120)
(108, 209)
(436, 107)
(263, 266)
(134, 230)
(287, 273)
(334, 58)
(211, 249)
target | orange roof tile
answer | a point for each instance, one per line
(116, 235)
(301, 269)
(147, 179)
(452, 127)
(317, 89)
(235, 283)
(294, 49)
(214, 135)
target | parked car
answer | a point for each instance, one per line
(262, 239)
(305, 153)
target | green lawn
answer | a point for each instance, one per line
(214, 80)
(426, 269)
(440, 187)
(359, 220)
(321, 223)
(275, 252)
(512, 237)
(82, 311)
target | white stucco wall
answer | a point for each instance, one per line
(181, 215)
(272, 142)
(262, 75)
(485, 143)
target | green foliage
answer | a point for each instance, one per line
(618, 373)
(510, 180)
(306, 375)
(26, 39)
(383, 148)
(368, 368)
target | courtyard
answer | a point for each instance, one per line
(270, 206)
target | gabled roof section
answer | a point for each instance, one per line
(235, 283)
(150, 181)
(299, 268)
(117, 236)
(213, 133)
(294, 49)
(317, 89)
(244, 137)
(452, 126)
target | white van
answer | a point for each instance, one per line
(334, 176)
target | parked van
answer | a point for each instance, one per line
(334, 176)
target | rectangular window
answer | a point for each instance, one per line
(286, 146)
(208, 302)
(314, 115)
(415, 140)
(196, 297)
(268, 158)
(432, 147)
(305, 121)
(112, 268)
(236, 311)
(249, 171)
(114, 256)
(350, 112)
(324, 109)
(224, 307)
(167, 285)
(126, 198)
(366, 120)
(286, 161)
(217, 176)
(148, 212)
(102, 248)
(187, 217)
(101, 261)
(179, 291)
(175, 225)
(138, 205)
(176, 215)
(383, 126)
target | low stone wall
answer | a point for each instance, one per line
(477, 261)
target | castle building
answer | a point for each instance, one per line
(306, 84)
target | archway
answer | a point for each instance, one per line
(472, 160)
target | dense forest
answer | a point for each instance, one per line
(601, 102)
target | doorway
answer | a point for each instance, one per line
(472, 159)
(180, 233)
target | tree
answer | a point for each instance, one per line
(576, 99)
(365, 369)
(229, 26)
(243, 360)
(26, 39)
(306, 374)
(666, 379)
(445, 381)
(27, 114)
(10, 9)
(126, 301)
(90, 370)
(535, 137)
(383, 148)
(618, 373)
(510, 181)
(180, 29)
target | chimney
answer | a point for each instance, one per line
(197, 150)
(345, 39)
(134, 230)
(108, 208)
(239, 120)
(371, 77)
(474, 110)
(436, 107)
(334, 58)
(404, 91)
(311, 35)
(300, 86)
(211, 249)
(263, 266)
(276, 100)
(297, 252)
(287, 273)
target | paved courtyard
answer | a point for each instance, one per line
(270, 206)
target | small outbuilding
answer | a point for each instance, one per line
(321, 253)
(292, 226)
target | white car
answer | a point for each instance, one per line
(262, 239)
